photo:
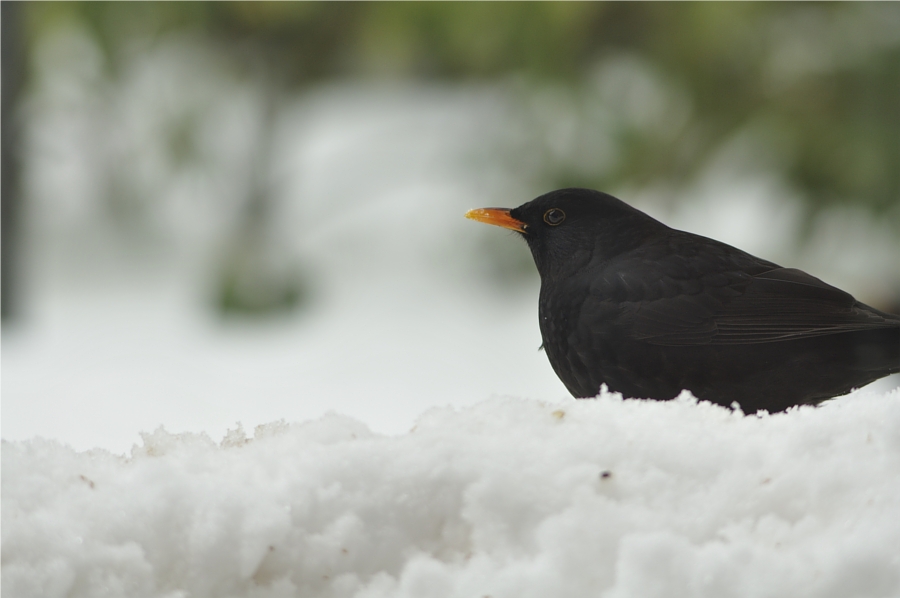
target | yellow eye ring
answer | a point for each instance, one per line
(554, 216)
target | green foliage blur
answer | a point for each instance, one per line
(817, 86)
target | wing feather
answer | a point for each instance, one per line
(777, 305)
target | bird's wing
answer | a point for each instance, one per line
(738, 308)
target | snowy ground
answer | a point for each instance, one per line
(102, 368)
(506, 498)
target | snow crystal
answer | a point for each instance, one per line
(517, 498)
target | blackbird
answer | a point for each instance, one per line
(648, 310)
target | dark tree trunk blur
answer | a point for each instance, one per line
(12, 49)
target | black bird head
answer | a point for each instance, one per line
(568, 228)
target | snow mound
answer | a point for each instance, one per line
(509, 498)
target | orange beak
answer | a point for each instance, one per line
(497, 217)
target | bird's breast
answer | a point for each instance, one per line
(562, 331)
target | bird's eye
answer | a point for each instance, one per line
(554, 216)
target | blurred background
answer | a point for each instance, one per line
(243, 212)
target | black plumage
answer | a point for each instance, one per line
(648, 310)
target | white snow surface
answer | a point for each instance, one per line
(508, 497)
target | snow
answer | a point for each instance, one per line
(507, 497)
(128, 362)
